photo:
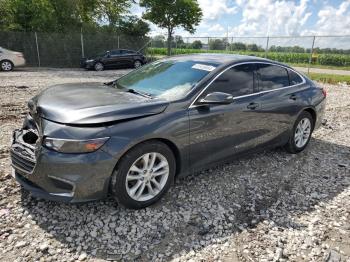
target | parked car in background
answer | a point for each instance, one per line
(114, 59)
(10, 59)
(131, 137)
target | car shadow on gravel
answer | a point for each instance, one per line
(203, 209)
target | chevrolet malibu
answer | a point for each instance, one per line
(133, 136)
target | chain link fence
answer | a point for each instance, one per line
(306, 51)
(66, 50)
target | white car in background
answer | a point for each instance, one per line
(10, 59)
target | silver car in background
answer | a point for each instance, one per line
(10, 59)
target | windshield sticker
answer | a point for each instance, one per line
(208, 68)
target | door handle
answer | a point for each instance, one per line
(253, 106)
(293, 97)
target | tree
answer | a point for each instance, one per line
(197, 44)
(61, 15)
(253, 47)
(158, 41)
(5, 14)
(238, 46)
(178, 42)
(31, 15)
(217, 44)
(132, 25)
(170, 14)
(111, 11)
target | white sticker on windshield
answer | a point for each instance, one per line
(208, 68)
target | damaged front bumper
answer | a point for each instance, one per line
(24, 160)
(58, 176)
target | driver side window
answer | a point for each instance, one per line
(237, 81)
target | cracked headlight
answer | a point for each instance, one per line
(74, 146)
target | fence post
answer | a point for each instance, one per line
(175, 45)
(37, 48)
(82, 43)
(267, 46)
(118, 41)
(311, 51)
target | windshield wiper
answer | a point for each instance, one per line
(133, 91)
(110, 83)
(130, 90)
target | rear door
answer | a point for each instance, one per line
(278, 99)
(126, 57)
(219, 131)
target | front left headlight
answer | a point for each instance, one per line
(74, 146)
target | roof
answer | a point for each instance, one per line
(219, 59)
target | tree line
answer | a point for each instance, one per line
(62, 16)
(99, 16)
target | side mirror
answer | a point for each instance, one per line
(108, 54)
(216, 98)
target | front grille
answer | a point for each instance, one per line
(23, 159)
(23, 151)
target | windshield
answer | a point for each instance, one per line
(169, 79)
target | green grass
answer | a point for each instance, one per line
(319, 66)
(330, 79)
(333, 61)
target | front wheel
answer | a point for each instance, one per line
(6, 65)
(301, 133)
(99, 66)
(143, 175)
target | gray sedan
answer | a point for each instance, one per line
(133, 136)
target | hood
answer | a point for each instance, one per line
(92, 103)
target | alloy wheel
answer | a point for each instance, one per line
(137, 64)
(98, 67)
(302, 132)
(6, 66)
(147, 176)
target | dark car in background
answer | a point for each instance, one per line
(119, 58)
(131, 137)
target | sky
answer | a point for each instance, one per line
(268, 17)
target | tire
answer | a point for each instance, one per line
(6, 65)
(99, 66)
(137, 63)
(124, 180)
(294, 144)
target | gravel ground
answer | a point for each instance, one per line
(271, 206)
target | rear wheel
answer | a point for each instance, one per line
(143, 175)
(301, 133)
(99, 66)
(6, 65)
(137, 63)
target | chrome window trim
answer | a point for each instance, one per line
(262, 92)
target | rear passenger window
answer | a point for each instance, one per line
(272, 77)
(238, 81)
(115, 52)
(294, 78)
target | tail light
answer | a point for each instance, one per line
(324, 92)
